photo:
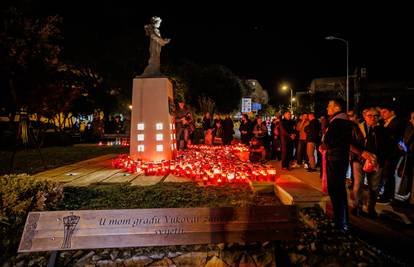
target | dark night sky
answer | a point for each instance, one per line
(271, 43)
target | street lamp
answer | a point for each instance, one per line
(284, 88)
(347, 67)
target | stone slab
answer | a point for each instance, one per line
(263, 187)
(93, 177)
(61, 173)
(292, 191)
(121, 177)
(176, 179)
(143, 180)
(76, 174)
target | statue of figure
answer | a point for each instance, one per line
(156, 42)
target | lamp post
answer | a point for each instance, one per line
(347, 67)
(284, 88)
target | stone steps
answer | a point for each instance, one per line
(292, 191)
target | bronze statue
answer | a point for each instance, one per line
(156, 42)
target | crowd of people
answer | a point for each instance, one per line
(96, 129)
(210, 131)
(370, 148)
(275, 139)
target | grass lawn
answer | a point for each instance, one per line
(30, 162)
(162, 195)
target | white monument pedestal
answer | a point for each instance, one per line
(152, 130)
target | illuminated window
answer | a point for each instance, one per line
(160, 148)
(158, 126)
(172, 137)
(172, 146)
(159, 137)
(140, 126)
(171, 126)
(140, 137)
(140, 148)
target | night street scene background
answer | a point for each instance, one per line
(66, 82)
(273, 46)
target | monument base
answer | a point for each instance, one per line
(152, 130)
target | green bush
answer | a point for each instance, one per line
(20, 194)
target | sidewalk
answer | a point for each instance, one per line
(391, 231)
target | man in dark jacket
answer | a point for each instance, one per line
(313, 139)
(336, 146)
(394, 128)
(183, 119)
(287, 135)
(245, 129)
(228, 130)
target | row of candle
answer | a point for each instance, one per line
(207, 164)
(123, 143)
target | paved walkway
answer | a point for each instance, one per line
(404, 212)
(392, 231)
(95, 171)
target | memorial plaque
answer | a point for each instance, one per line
(87, 229)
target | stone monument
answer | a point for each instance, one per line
(152, 127)
(156, 43)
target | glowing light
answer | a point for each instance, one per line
(160, 148)
(140, 137)
(158, 126)
(271, 172)
(159, 137)
(211, 165)
(140, 126)
(140, 148)
(119, 142)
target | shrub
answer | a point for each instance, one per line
(20, 194)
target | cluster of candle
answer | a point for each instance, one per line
(208, 164)
(118, 142)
